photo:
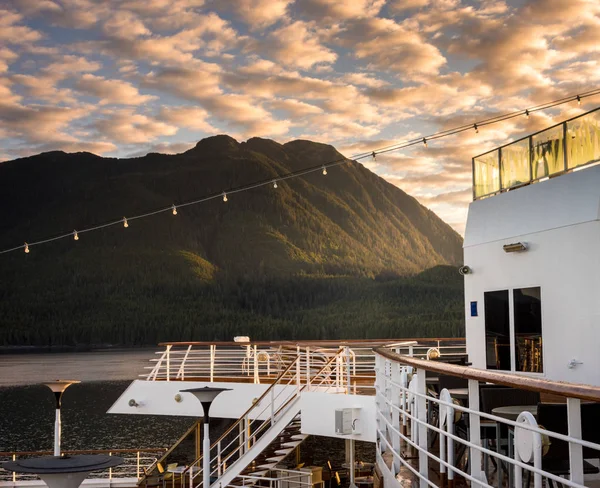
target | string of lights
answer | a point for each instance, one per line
(124, 221)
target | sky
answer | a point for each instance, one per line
(126, 77)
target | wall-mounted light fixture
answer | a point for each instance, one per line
(515, 247)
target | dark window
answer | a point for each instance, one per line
(497, 330)
(528, 329)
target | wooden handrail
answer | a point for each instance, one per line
(356, 342)
(573, 390)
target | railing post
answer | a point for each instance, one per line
(219, 460)
(307, 362)
(212, 362)
(14, 475)
(404, 383)
(256, 377)
(411, 351)
(347, 370)
(242, 442)
(298, 378)
(169, 362)
(575, 450)
(422, 416)
(474, 430)
(396, 401)
(110, 470)
(181, 372)
(138, 465)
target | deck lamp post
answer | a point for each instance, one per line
(58, 387)
(205, 396)
(62, 471)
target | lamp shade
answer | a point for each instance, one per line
(59, 386)
(205, 396)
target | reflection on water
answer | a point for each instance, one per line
(27, 420)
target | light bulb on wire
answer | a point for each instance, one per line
(125, 223)
(26, 248)
(476, 128)
(324, 170)
(274, 183)
(224, 196)
(578, 100)
(174, 210)
(373, 155)
(424, 142)
(75, 235)
(527, 113)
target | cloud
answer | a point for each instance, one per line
(258, 14)
(111, 91)
(339, 10)
(129, 127)
(189, 117)
(296, 108)
(389, 46)
(6, 57)
(297, 45)
(13, 33)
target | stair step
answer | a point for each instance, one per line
(276, 459)
(292, 444)
(268, 465)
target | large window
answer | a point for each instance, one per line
(528, 329)
(497, 330)
(519, 341)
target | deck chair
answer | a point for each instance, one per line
(165, 475)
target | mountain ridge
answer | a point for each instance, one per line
(321, 238)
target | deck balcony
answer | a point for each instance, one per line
(559, 149)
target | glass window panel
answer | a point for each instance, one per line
(528, 329)
(547, 148)
(497, 330)
(515, 164)
(487, 175)
(583, 140)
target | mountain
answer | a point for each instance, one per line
(213, 263)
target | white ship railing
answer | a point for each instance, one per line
(135, 464)
(262, 362)
(406, 423)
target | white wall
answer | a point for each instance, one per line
(563, 259)
(318, 414)
(158, 398)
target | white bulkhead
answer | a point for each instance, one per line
(536, 311)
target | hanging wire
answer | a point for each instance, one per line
(321, 167)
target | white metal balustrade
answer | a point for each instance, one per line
(406, 423)
(263, 362)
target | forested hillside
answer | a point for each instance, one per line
(330, 256)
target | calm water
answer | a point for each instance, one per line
(27, 408)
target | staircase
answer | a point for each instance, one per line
(252, 447)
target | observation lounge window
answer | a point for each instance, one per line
(497, 330)
(528, 329)
(514, 345)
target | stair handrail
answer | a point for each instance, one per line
(245, 414)
(265, 425)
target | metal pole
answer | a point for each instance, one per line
(352, 464)
(348, 372)
(206, 457)
(57, 431)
